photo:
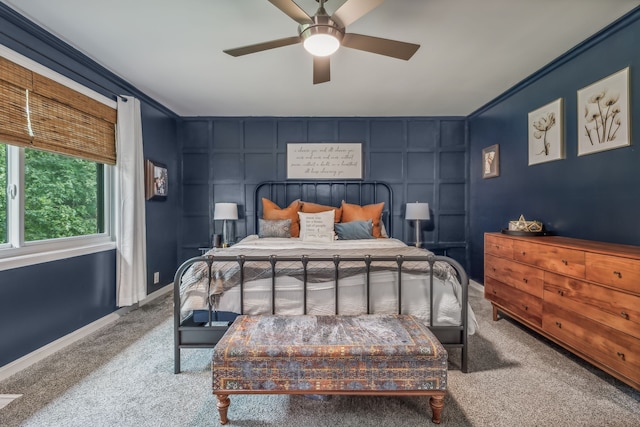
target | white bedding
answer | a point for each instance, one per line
(321, 295)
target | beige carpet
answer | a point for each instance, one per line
(123, 376)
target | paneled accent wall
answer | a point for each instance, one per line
(424, 159)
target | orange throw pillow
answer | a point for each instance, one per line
(364, 213)
(308, 207)
(272, 211)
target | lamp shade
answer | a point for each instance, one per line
(225, 211)
(419, 211)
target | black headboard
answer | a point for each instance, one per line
(330, 193)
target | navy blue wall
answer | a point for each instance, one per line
(41, 303)
(596, 196)
(423, 158)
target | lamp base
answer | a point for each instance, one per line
(227, 233)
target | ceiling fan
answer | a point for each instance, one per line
(322, 35)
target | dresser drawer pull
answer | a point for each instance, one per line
(525, 280)
(526, 307)
(617, 273)
(565, 262)
(559, 325)
(624, 314)
(523, 253)
(560, 292)
(621, 355)
(494, 292)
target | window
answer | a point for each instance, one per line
(62, 196)
(57, 145)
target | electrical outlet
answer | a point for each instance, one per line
(156, 277)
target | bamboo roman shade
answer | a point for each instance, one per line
(14, 79)
(37, 112)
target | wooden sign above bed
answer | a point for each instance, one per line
(339, 160)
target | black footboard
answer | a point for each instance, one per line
(191, 334)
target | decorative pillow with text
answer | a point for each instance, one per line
(317, 227)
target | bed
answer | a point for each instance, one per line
(313, 273)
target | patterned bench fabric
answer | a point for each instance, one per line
(324, 353)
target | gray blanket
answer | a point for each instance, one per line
(226, 271)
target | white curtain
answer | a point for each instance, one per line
(131, 262)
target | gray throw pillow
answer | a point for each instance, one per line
(354, 230)
(274, 228)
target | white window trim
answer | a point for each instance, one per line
(31, 253)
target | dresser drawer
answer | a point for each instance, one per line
(615, 309)
(616, 350)
(554, 258)
(519, 303)
(497, 245)
(623, 273)
(526, 278)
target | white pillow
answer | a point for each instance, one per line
(317, 227)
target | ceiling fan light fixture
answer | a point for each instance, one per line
(321, 44)
(323, 36)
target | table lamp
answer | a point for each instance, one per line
(226, 212)
(418, 212)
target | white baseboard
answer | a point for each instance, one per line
(5, 399)
(37, 355)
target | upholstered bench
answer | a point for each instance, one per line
(367, 354)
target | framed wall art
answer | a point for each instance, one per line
(546, 133)
(491, 161)
(156, 181)
(340, 160)
(603, 114)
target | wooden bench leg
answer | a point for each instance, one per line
(223, 406)
(436, 403)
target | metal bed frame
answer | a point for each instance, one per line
(189, 334)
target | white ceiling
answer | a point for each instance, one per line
(471, 52)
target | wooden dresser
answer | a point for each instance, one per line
(581, 294)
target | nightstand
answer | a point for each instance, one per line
(442, 248)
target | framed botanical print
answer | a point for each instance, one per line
(603, 114)
(546, 135)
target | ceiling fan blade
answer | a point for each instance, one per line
(293, 11)
(393, 48)
(259, 47)
(321, 69)
(352, 10)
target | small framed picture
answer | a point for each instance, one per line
(491, 161)
(546, 142)
(156, 180)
